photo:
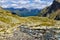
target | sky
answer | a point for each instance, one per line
(39, 4)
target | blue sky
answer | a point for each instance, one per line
(25, 3)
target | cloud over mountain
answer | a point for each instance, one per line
(25, 3)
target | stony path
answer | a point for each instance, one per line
(18, 35)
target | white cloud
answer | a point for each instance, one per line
(13, 4)
(4, 6)
(3, 1)
(24, 3)
(37, 0)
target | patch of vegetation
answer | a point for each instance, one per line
(43, 21)
(8, 21)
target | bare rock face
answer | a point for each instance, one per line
(52, 10)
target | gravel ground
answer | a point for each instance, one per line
(18, 35)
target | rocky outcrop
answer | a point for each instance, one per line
(51, 10)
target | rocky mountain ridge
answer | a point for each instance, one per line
(53, 10)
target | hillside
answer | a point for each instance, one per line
(52, 11)
(9, 22)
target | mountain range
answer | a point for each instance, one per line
(52, 11)
(23, 11)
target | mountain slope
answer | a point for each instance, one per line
(10, 22)
(23, 11)
(53, 10)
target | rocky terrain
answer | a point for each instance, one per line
(46, 26)
(25, 28)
